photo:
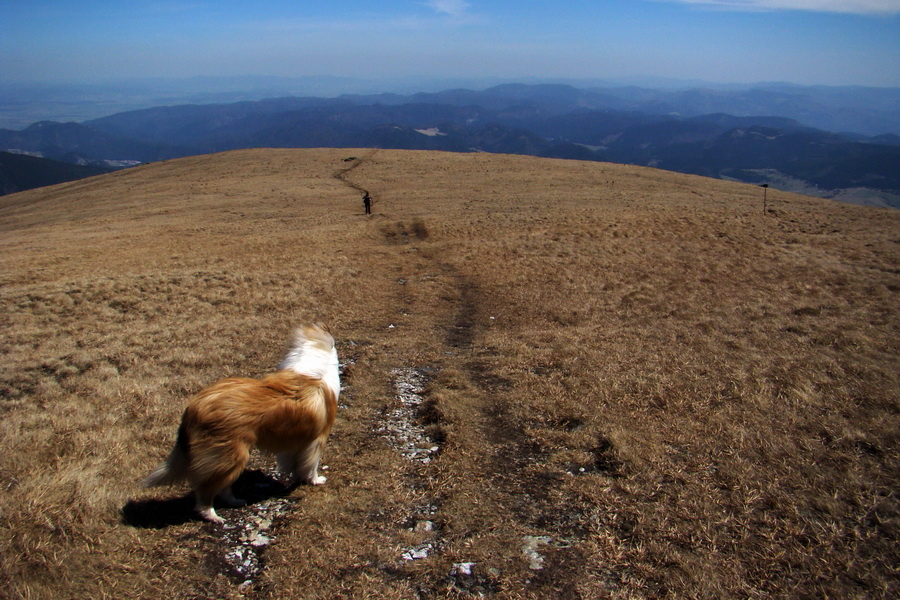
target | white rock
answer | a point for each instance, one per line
(530, 550)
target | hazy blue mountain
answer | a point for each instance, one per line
(864, 110)
(82, 144)
(867, 111)
(627, 125)
(24, 103)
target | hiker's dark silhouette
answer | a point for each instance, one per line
(367, 203)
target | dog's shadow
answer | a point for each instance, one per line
(253, 486)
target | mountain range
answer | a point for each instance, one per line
(802, 139)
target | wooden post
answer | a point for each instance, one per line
(765, 188)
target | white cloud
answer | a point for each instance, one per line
(454, 8)
(863, 7)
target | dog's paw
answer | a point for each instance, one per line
(317, 480)
(209, 514)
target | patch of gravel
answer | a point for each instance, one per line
(473, 579)
(403, 429)
(247, 533)
(402, 425)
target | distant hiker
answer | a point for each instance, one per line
(367, 202)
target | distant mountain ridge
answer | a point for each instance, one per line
(864, 110)
(556, 121)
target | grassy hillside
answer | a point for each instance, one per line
(622, 382)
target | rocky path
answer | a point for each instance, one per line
(479, 509)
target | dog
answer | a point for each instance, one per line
(289, 413)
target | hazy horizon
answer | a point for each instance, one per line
(807, 42)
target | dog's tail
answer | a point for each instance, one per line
(177, 465)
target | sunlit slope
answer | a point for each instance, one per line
(638, 384)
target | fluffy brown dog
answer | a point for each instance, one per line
(289, 413)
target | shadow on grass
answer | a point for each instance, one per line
(155, 513)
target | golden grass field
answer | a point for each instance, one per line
(640, 384)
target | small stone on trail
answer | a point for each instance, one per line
(530, 550)
(462, 569)
(418, 553)
(424, 526)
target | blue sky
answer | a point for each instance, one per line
(802, 41)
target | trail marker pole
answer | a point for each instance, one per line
(765, 188)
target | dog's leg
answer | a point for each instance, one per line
(287, 463)
(204, 507)
(218, 482)
(209, 491)
(308, 463)
(302, 466)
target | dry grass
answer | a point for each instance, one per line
(686, 396)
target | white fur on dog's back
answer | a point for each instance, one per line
(313, 354)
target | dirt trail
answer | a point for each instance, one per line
(446, 419)
(477, 511)
(353, 162)
(431, 297)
